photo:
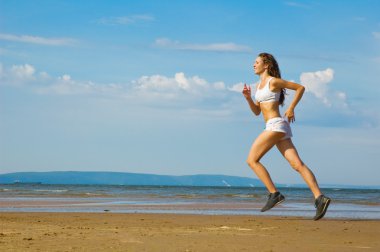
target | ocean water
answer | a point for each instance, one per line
(346, 203)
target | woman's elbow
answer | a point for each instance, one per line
(302, 89)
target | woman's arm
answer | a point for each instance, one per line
(247, 94)
(280, 84)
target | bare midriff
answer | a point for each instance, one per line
(270, 110)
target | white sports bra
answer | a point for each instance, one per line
(265, 94)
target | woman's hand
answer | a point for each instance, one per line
(247, 94)
(289, 113)
(247, 91)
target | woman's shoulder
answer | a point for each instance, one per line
(274, 81)
(275, 84)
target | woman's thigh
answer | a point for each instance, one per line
(289, 151)
(263, 143)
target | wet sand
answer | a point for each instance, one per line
(175, 232)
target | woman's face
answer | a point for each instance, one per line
(259, 66)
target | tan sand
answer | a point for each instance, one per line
(168, 232)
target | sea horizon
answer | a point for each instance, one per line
(149, 179)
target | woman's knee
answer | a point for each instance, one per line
(252, 162)
(297, 165)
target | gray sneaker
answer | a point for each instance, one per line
(273, 200)
(321, 204)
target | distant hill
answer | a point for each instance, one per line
(121, 178)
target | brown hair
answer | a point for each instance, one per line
(273, 70)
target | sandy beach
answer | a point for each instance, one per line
(168, 232)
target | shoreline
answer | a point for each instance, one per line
(346, 203)
(120, 205)
(182, 232)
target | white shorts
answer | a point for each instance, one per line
(279, 124)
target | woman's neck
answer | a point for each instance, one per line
(264, 76)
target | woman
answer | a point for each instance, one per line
(270, 94)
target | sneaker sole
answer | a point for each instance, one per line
(279, 202)
(274, 205)
(323, 211)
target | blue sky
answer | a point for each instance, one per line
(155, 86)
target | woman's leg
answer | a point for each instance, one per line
(263, 143)
(288, 150)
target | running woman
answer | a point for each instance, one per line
(269, 95)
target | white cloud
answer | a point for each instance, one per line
(43, 83)
(38, 40)
(125, 20)
(154, 86)
(158, 86)
(190, 94)
(174, 87)
(214, 47)
(342, 99)
(219, 85)
(316, 83)
(44, 75)
(17, 75)
(65, 85)
(339, 112)
(238, 87)
(23, 72)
